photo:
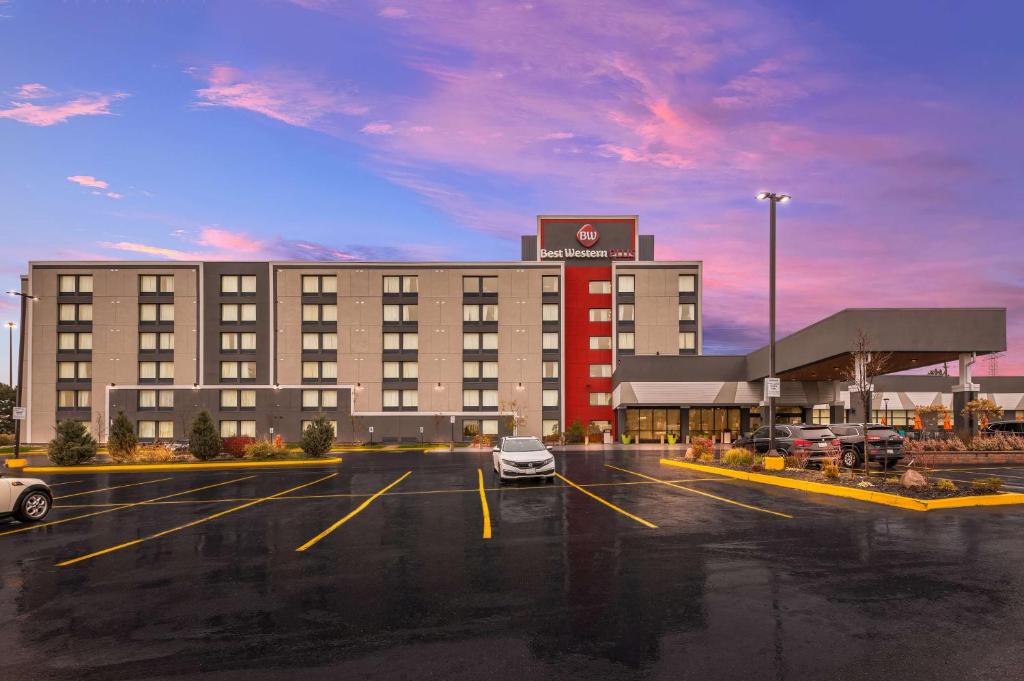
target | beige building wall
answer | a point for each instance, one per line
(657, 308)
(41, 372)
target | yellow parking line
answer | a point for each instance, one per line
(705, 494)
(121, 507)
(483, 505)
(344, 520)
(69, 482)
(605, 502)
(107, 489)
(200, 521)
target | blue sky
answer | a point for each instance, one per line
(438, 130)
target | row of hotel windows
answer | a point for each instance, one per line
(627, 341)
(148, 283)
(627, 284)
(627, 313)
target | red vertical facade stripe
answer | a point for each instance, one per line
(578, 356)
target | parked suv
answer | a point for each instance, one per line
(885, 446)
(1009, 427)
(812, 439)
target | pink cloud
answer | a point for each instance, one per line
(282, 96)
(223, 239)
(88, 181)
(393, 13)
(379, 128)
(31, 91)
(114, 195)
(57, 112)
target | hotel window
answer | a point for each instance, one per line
(151, 312)
(75, 283)
(151, 399)
(151, 430)
(319, 283)
(156, 283)
(626, 283)
(233, 340)
(687, 340)
(600, 370)
(70, 371)
(687, 311)
(687, 283)
(599, 287)
(237, 283)
(474, 427)
(549, 312)
(600, 399)
(73, 399)
(306, 424)
(238, 370)
(551, 427)
(319, 370)
(400, 399)
(600, 342)
(72, 312)
(151, 340)
(600, 314)
(69, 342)
(480, 341)
(549, 284)
(407, 284)
(319, 341)
(239, 428)
(395, 314)
(153, 371)
(399, 370)
(238, 399)
(479, 313)
(401, 341)
(319, 399)
(627, 340)
(320, 313)
(549, 398)
(627, 312)
(478, 370)
(821, 417)
(238, 312)
(479, 284)
(549, 369)
(485, 399)
(549, 340)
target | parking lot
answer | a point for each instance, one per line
(401, 565)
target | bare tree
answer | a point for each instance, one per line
(864, 366)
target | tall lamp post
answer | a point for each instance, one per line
(772, 198)
(11, 326)
(21, 364)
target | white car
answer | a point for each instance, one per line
(27, 499)
(516, 458)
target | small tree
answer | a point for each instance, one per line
(575, 432)
(7, 399)
(982, 410)
(72, 444)
(864, 366)
(203, 439)
(318, 437)
(122, 441)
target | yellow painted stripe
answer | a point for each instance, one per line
(606, 502)
(703, 494)
(358, 508)
(107, 489)
(181, 467)
(200, 521)
(121, 507)
(483, 505)
(69, 482)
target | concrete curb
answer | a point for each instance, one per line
(180, 467)
(1002, 499)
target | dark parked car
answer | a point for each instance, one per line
(1008, 427)
(885, 446)
(812, 439)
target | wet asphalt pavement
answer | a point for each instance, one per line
(757, 584)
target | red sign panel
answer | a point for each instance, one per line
(587, 235)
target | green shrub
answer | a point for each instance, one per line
(72, 444)
(987, 485)
(6, 439)
(944, 485)
(830, 471)
(122, 441)
(739, 457)
(265, 449)
(575, 433)
(626, 438)
(318, 437)
(203, 440)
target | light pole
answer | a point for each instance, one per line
(887, 419)
(21, 364)
(10, 351)
(772, 199)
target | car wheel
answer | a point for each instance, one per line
(33, 507)
(849, 458)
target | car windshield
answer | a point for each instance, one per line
(882, 431)
(526, 444)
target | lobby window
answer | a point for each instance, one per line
(401, 341)
(549, 284)
(232, 428)
(627, 340)
(551, 427)
(238, 312)
(231, 341)
(600, 314)
(601, 426)
(395, 314)
(152, 313)
(75, 283)
(549, 340)
(74, 313)
(401, 370)
(156, 283)
(687, 312)
(821, 416)
(306, 424)
(599, 287)
(549, 312)
(627, 313)
(233, 284)
(407, 284)
(549, 369)
(474, 427)
(600, 370)
(319, 313)
(319, 371)
(479, 313)
(600, 399)
(73, 399)
(74, 371)
(600, 342)
(70, 342)
(626, 283)
(687, 283)
(151, 341)
(479, 370)
(319, 399)
(238, 399)
(245, 371)
(319, 283)
(479, 284)
(687, 340)
(480, 341)
(549, 398)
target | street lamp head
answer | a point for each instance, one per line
(762, 196)
(777, 198)
(11, 325)
(783, 198)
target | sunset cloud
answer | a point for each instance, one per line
(88, 181)
(54, 112)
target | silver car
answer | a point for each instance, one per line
(517, 458)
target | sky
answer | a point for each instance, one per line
(434, 130)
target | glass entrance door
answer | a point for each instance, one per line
(714, 422)
(652, 425)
